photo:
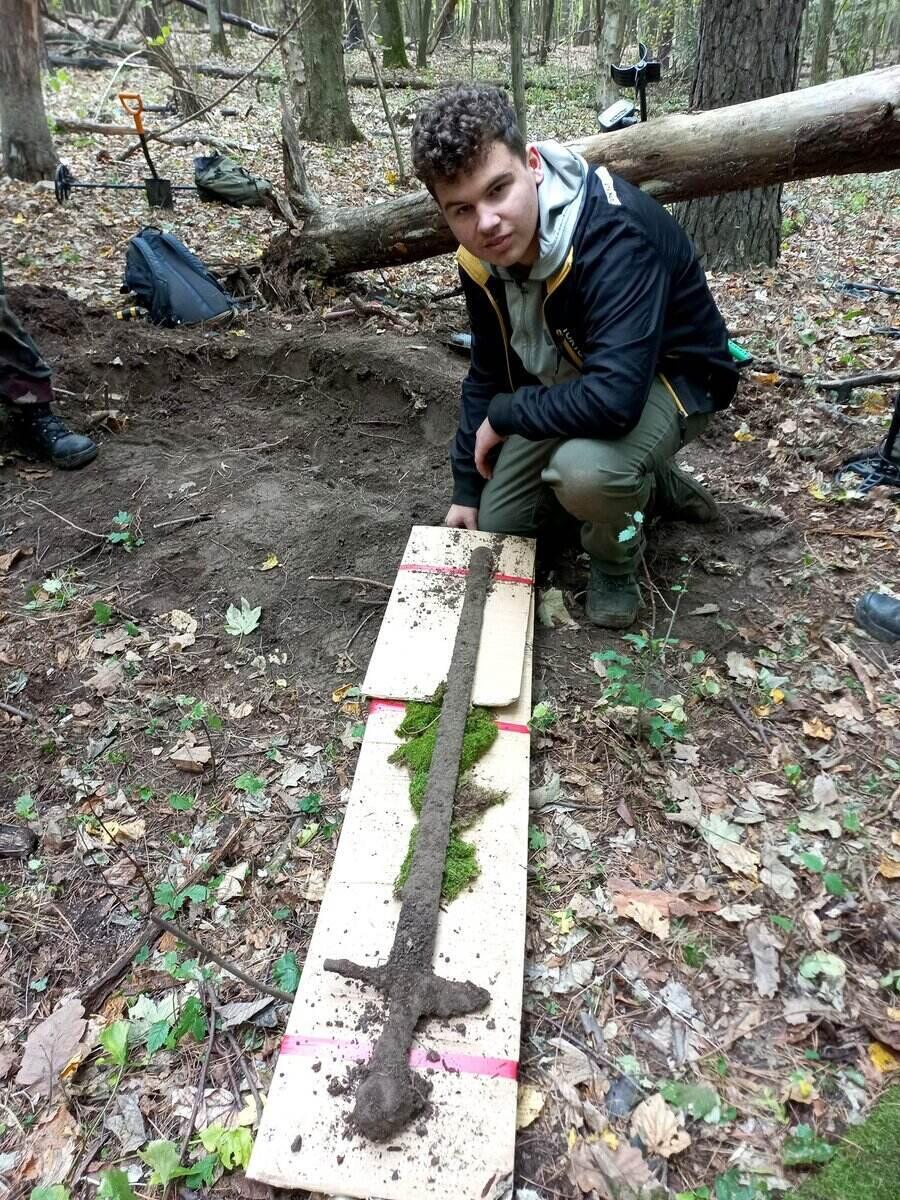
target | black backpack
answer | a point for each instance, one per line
(172, 284)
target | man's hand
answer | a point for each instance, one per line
(485, 441)
(461, 516)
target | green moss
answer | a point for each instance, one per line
(419, 728)
(867, 1165)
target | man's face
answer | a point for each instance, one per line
(493, 211)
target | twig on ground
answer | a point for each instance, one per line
(90, 532)
(198, 1095)
(65, 562)
(356, 632)
(757, 731)
(349, 579)
(183, 520)
(23, 712)
(248, 1070)
(219, 960)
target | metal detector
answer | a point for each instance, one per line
(622, 114)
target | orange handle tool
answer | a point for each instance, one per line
(133, 104)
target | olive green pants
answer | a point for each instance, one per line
(601, 483)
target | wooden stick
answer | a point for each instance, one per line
(224, 963)
(99, 536)
(349, 579)
(17, 712)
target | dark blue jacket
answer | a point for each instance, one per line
(631, 301)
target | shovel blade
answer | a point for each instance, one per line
(159, 193)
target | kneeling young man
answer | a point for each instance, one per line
(597, 348)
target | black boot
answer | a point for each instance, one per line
(879, 615)
(47, 436)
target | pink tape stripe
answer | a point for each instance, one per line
(430, 569)
(445, 1060)
(375, 705)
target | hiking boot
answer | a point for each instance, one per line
(879, 615)
(612, 601)
(678, 496)
(48, 436)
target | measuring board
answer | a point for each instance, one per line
(464, 1148)
(412, 655)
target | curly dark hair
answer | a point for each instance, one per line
(457, 129)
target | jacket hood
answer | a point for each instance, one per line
(560, 195)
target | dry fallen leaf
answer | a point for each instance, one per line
(529, 1103)
(656, 1125)
(50, 1152)
(613, 1174)
(818, 729)
(9, 560)
(889, 867)
(725, 839)
(107, 679)
(764, 947)
(191, 758)
(883, 1060)
(49, 1047)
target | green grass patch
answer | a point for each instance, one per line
(419, 729)
(867, 1164)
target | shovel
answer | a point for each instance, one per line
(159, 191)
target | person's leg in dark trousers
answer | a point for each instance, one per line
(26, 388)
(603, 484)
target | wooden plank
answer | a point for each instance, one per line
(412, 653)
(464, 1150)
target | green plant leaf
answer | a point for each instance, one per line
(54, 1191)
(536, 839)
(25, 807)
(232, 1146)
(804, 1149)
(834, 885)
(114, 1040)
(162, 1156)
(245, 619)
(311, 804)
(103, 613)
(851, 821)
(114, 1185)
(249, 783)
(180, 802)
(191, 1021)
(157, 1036)
(286, 972)
(812, 862)
(696, 1099)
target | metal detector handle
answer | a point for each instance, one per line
(134, 109)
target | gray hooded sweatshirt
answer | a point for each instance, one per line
(560, 195)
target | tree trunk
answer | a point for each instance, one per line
(390, 21)
(294, 91)
(27, 147)
(514, 8)
(546, 32)
(846, 126)
(819, 73)
(424, 11)
(748, 49)
(612, 36)
(442, 24)
(326, 106)
(218, 43)
(354, 26)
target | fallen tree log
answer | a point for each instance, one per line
(75, 125)
(850, 125)
(241, 22)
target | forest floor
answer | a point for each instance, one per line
(712, 898)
